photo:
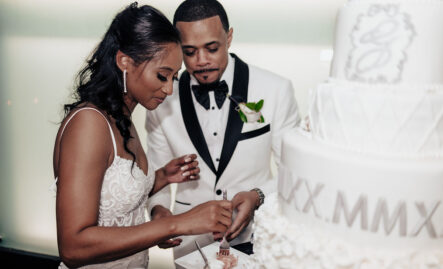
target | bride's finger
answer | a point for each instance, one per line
(225, 212)
(191, 177)
(170, 243)
(185, 159)
(195, 171)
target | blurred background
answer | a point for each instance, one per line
(44, 43)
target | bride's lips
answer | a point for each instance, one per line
(159, 100)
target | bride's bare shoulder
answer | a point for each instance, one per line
(84, 131)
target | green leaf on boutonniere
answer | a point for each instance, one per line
(242, 116)
(248, 112)
(258, 106)
(251, 106)
(262, 119)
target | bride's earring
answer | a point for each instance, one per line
(125, 91)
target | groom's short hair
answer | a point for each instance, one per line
(195, 10)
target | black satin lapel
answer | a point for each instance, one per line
(235, 124)
(191, 121)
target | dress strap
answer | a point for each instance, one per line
(109, 125)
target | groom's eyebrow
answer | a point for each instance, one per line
(211, 43)
(188, 47)
(194, 47)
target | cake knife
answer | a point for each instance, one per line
(203, 255)
(224, 245)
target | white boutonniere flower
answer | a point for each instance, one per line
(249, 112)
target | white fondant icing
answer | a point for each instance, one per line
(391, 120)
(389, 42)
(321, 186)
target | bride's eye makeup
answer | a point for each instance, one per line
(161, 77)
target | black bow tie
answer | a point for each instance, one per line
(220, 89)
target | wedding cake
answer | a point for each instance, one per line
(361, 183)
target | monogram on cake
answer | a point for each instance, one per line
(363, 187)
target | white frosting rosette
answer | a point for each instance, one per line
(280, 244)
(215, 264)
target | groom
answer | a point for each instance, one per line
(233, 155)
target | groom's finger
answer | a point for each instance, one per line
(236, 233)
(238, 223)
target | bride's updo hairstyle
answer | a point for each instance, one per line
(139, 32)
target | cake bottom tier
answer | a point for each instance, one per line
(279, 243)
(341, 209)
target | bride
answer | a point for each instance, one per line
(102, 174)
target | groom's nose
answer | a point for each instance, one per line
(202, 58)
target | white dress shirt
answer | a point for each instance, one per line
(214, 120)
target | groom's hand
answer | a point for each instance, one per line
(159, 212)
(245, 202)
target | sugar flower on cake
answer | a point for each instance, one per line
(249, 112)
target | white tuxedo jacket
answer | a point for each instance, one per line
(245, 162)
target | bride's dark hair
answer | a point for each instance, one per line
(139, 32)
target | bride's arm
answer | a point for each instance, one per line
(85, 153)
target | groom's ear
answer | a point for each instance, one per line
(230, 33)
(122, 60)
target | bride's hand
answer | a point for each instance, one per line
(209, 217)
(178, 170)
(182, 169)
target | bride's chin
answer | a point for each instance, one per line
(150, 106)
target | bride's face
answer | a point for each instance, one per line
(151, 82)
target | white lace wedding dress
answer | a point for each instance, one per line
(122, 201)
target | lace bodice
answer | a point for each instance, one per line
(124, 194)
(123, 199)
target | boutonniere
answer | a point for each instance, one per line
(249, 112)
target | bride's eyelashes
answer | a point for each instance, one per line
(162, 78)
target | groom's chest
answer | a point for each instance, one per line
(213, 125)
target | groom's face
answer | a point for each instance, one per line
(205, 47)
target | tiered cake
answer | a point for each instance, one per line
(361, 185)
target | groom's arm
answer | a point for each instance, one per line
(285, 118)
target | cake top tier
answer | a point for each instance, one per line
(395, 42)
